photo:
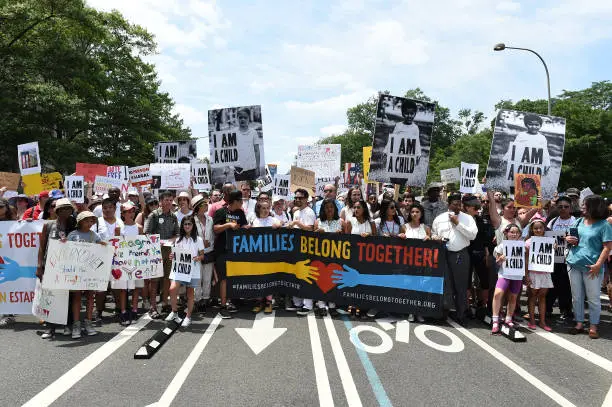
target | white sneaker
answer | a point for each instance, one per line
(48, 334)
(89, 328)
(420, 318)
(67, 330)
(372, 312)
(171, 316)
(76, 329)
(186, 322)
(411, 318)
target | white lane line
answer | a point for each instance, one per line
(531, 379)
(323, 387)
(577, 350)
(348, 384)
(608, 400)
(176, 383)
(53, 391)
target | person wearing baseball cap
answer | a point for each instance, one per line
(432, 205)
(35, 211)
(574, 195)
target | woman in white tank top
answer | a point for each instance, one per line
(415, 228)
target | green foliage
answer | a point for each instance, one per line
(73, 79)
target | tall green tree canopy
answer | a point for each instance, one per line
(73, 79)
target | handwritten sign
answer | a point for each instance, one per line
(542, 254)
(140, 175)
(302, 178)
(117, 172)
(201, 178)
(323, 159)
(9, 180)
(77, 266)
(175, 176)
(75, 186)
(182, 265)
(559, 236)
(136, 258)
(281, 189)
(321, 182)
(34, 184)
(514, 251)
(449, 175)
(50, 305)
(103, 184)
(469, 178)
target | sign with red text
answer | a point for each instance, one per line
(19, 243)
(50, 305)
(136, 258)
(140, 175)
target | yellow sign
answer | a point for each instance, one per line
(34, 184)
(367, 154)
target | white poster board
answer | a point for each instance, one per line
(449, 175)
(140, 175)
(514, 251)
(75, 188)
(469, 178)
(29, 158)
(103, 184)
(182, 265)
(542, 254)
(201, 177)
(136, 258)
(281, 188)
(323, 159)
(559, 236)
(175, 176)
(50, 305)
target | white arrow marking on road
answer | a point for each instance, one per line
(262, 334)
(402, 331)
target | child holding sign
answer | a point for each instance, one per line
(537, 281)
(511, 263)
(190, 241)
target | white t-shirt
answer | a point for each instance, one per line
(558, 228)
(305, 215)
(98, 211)
(282, 218)
(416, 233)
(180, 215)
(107, 230)
(248, 207)
(246, 148)
(194, 248)
(264, 222)
(360, 228)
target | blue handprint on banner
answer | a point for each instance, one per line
(10, 270)
(352, 278)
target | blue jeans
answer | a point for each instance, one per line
(581, 283)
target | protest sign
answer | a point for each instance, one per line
(175, 176)
(402, 140)
(103, 184)
(273, 169)
(75, 188)
(117, 172)
(560, 244)
(201, 179)
(140, 175)
(542, 254)
(50, 305)
(323, 159)
(236, 144)
(526, 143)
(352, 174)
(34, 184)
(19, 243)
(77, 266)
(183, 151)
(345, 269)
(367, 155)
(450, 175)
(337, 180)
(136, 258)
(29, 158)
(89, 171)
(584, 193)
(280, 189)
(301, 178)
(182, 265)
(526, 190)
(266, 183)
(469, 178)
(514, 251)
(10, 180)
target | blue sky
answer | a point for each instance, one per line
(306, 62)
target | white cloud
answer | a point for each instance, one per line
(510, 6)
(333, 129)
(191, 115)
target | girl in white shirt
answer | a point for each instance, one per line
(415, 228)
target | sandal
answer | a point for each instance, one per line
(593, 334)
(576, 331)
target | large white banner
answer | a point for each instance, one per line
(77, 266)
(19, 243)
(50, 305)
(136, 258)
(323, 159)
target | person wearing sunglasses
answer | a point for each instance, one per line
(329, 192)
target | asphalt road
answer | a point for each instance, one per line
(311, 362)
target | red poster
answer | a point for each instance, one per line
(89, 171)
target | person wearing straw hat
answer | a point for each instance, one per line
(204, 226)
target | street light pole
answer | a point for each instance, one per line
(501, 47)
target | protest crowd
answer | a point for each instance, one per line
(482, 232)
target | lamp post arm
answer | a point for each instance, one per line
(545, 68)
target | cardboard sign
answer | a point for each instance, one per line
(450, 175)
(514, 265)
(281, 187)
(10, 180)
(301, 178)
(175, 176)
(201, 178)
(542, 254)
(90, 171)
(34, 184)
(140, 175)
(323, 159)
(75, 188)
(526, 190)
(29, 158)
(182, 265)
(136, 258)
(103, 184)
(77, 266)
(19, 243)
(50, 305)
(469, 178)
(559, 236)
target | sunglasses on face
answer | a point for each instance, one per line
(187, 224)
(299, 197)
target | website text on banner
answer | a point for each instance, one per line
(392, 274)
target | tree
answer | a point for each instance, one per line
(73, 79)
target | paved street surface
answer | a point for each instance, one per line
(292, 361)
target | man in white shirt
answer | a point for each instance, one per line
(248, 204)
(303, 218)
(457, 229)
(113, 194)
